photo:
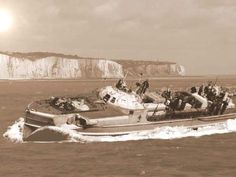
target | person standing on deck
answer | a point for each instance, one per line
(200, 91)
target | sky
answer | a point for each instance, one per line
(198, 34)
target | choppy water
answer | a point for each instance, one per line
(14, 132)
(204, 156)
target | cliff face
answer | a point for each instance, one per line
(56, 67)
(152, 68)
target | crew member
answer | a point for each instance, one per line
(200, 91)
(193, 90)
(121, 85)
(225, 102)
(143, 87)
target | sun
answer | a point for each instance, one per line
(5, 20)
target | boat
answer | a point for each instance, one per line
(116, 110)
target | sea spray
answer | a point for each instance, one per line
(14, 133)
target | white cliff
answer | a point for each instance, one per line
(55, 67)
(59, 66)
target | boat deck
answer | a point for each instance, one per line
(95, 110)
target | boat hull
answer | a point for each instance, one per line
(47, 133)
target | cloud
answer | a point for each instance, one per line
(178, 29)
(53, 11)
(106, 8)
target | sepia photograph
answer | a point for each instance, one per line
(118, 88)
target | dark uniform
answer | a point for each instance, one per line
(200, 91)
(119, 84)
(143, 88)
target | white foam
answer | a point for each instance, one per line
(14, 132)
(172, 132)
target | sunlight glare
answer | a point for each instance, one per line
(5, 20)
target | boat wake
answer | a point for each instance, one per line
(14, 133)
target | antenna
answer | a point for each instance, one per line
(216, 80)
(126, 75)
